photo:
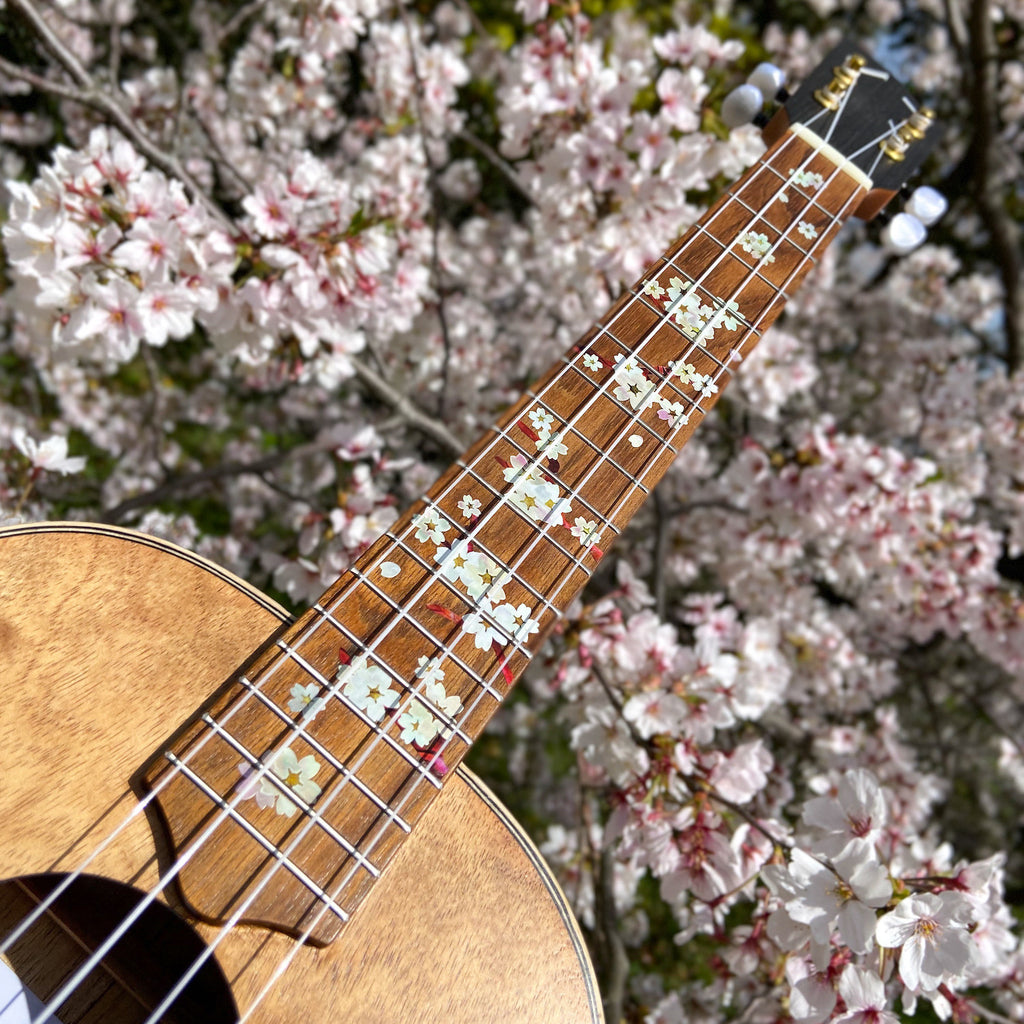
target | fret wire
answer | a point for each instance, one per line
(274, 851)
(654, 309)
(449, 653)
(633, 423)
(795, 245)
(577, 561)
(338, 766)
(753, 267)
(666, 319)
(499, 562)
(510, 567)
(538, 534)
(605, 460)
(590, 443)
(403, 614)
(307, 809)
(335, 692)
(446, 652)
(605, 522)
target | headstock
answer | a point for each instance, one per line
(859, 108)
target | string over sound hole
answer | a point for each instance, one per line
(136, 975)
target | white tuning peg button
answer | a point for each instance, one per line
(767, 78)
(742, 105)
(903, 234)
(927, 205)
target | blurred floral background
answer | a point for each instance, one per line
(268, 267)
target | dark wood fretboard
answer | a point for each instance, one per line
(289, 794)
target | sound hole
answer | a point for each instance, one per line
(133, 978)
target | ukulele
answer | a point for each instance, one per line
(213, 813)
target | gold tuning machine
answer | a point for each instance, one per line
(894, 145)
(842, 78)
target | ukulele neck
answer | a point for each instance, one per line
(326, 752)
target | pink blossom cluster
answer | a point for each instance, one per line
(108, 252)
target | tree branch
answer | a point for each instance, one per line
(410, 412)
(186, 481)
(89, 94)
(1003, 232)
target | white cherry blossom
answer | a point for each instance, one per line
(930, 932)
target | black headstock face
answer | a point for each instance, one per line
(859, 108)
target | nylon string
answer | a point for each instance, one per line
(299, 731)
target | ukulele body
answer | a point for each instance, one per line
(110, 639)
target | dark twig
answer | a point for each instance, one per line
(435, 217)
(412, 414)
(1003, 231)
(89, 94)
(492, 156)
(186, 481)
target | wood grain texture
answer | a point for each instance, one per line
(108, 641)
(615, 412)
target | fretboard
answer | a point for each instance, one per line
(298, 782)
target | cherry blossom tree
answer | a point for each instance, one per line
(269, 267)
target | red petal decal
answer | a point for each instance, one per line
(504, 463)
(499, 653)
(596, 551)
(343, 658)
(528, 431)
(446, 612)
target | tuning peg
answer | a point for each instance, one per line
(742, 105)
(927, 205)
(769, 79)
(903, 234)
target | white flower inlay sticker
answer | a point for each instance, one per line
(368, 688)
(304, 701)
(809, 179)
(418, 724)
(757, 244)
(469, 506)
(635, 440)
(389, 570)
(431, 525)
(296, 773)
(807, 229)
